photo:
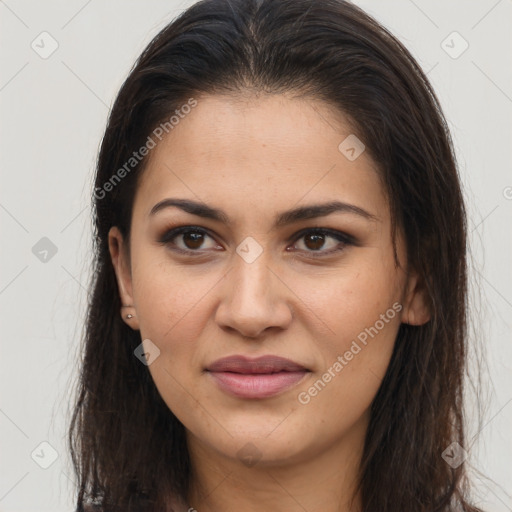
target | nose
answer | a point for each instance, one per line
(254, 299)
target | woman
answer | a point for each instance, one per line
(278, 312)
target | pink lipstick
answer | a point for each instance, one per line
(258, 378)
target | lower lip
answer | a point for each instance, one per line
(261, 385)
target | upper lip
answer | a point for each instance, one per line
(263, 364)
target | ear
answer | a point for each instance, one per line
(416, 309)
(119, 255)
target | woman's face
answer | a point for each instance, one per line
(253, 276)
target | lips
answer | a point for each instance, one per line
(258, 378)
(263, 364)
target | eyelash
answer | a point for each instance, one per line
(345, 239)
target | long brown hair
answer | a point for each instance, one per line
(128, 449)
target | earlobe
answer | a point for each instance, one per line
(416, 307)
(123, 276)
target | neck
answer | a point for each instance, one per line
(325, 482)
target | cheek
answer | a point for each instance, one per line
(171, 302)
(362, 312)
(172, 310)
(346, 302)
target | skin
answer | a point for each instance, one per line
(254, 157)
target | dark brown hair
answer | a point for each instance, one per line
(128, 449)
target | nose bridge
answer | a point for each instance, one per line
(252, 279)
(251, 290)
(252, 300)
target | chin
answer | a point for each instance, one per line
(257, 440)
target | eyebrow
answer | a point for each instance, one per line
(282, 219)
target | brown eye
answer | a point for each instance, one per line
(193, 240)
(321, 242)
(314, 241)
(189, 239)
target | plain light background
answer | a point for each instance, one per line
(53, 113)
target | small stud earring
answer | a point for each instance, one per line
(129, 315)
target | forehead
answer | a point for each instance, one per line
(266, 153)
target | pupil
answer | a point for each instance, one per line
(193, 240)
(318, 241)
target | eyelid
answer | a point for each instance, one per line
(342, 237)
(334, 233)
(172, 233)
